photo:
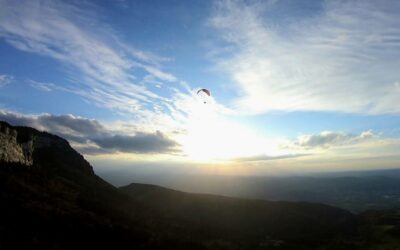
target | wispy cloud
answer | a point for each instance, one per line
(343, 58)
(105, 71)
(5, 79)
(89, 136)
(43, 86)
(258, 158)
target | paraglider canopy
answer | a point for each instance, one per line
(204, 94)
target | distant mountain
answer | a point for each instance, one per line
(354, 193)
(51, 199)
(246, 219)
(392, 173)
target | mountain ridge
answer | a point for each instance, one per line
(55, 200)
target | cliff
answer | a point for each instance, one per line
(30, 147)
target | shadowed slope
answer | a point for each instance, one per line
(51, 199)
(303, 223)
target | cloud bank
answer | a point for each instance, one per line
(327, 139)
(139, 143)
(89, 136)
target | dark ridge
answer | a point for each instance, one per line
(245, 218)
(58, 202)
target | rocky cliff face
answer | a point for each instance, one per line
(10, 150)
(32, 148)
(50, 198)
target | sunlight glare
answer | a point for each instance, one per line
(213, 137)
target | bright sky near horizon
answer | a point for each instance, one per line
(296, 86)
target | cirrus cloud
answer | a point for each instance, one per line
(99, 66)
(5, 79)
(343, 58)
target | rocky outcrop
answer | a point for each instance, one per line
(10, 150)
(32, 148)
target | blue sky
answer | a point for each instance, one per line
(296, 85)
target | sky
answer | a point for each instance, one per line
(296, 86)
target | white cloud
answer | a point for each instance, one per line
(327, 139)
(344, 58)
(5, 79)
(43, 86)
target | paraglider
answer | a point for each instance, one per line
(204, 94)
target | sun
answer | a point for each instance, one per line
(213, 137)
